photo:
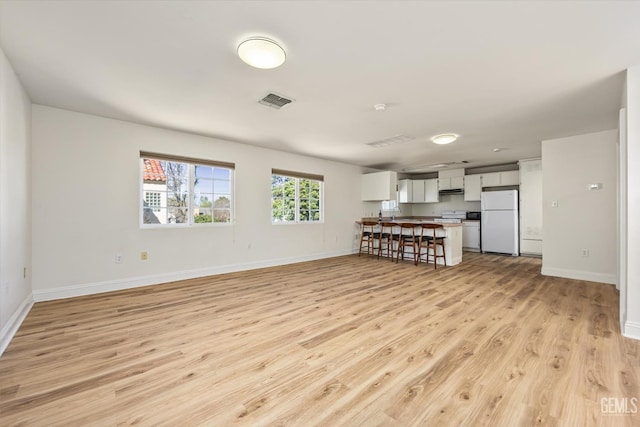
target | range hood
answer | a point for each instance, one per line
(451, 191)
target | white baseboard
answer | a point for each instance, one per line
(631, 330)
(579, 275)
(16, 319)
(134, 282)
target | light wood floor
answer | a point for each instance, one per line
(339, 342)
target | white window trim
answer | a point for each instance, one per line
(297, 220)
(191, 223)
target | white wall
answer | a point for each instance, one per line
(86, 195)
(15, 203)
(584, 219)
(630, 239)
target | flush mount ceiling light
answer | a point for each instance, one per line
(261, 52)
(445, 138)
(380, 107)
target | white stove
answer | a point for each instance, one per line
(451, 217)
(447, 220)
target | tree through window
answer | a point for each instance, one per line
(185, 191)
(295, 197)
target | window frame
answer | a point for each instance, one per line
(191, 164)
(298, 176)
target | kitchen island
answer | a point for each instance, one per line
(452, 232)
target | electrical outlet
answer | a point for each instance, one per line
(118, 259)
(585, 252)
(144, 255)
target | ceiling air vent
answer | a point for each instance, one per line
(391, 141)
(275, 101)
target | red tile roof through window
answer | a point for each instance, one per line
(153, 170)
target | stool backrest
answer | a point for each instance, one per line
(369, 226)
(429, 230)
(387, 227)
(409, 229)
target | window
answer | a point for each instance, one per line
(185, 191)
(295, 197)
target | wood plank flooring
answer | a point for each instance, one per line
(348, 341)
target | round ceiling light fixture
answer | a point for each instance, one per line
(380, 107)
(261, 52)
(445, 138)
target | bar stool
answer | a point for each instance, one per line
(368, 236)
(387, 239)
(428, 236)
(409, 237)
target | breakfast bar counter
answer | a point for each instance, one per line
(451, 231)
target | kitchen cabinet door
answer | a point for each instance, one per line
(379, 186)
(444, 183)
(500, 179)
(457, 182)
(452, 183)
(471, 235)
(405, 191)
(472, 188)
(491, 179)
(418, 191)
(431, 191)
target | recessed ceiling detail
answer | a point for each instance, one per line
(275, 101)
(398, 139)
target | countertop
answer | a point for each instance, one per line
(413, 219)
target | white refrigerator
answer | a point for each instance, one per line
(499, 222)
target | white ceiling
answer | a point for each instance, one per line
(501, 74)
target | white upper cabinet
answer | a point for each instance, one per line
(379, 186)
(453, 183)
(405, 191)
(431, 191)
(418, 191)
(472, 188)
(500, 179)
(452, 179)
(491, 179)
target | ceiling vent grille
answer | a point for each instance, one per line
(275, 101)
(391, 141)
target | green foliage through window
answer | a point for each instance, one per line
(295, 199)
